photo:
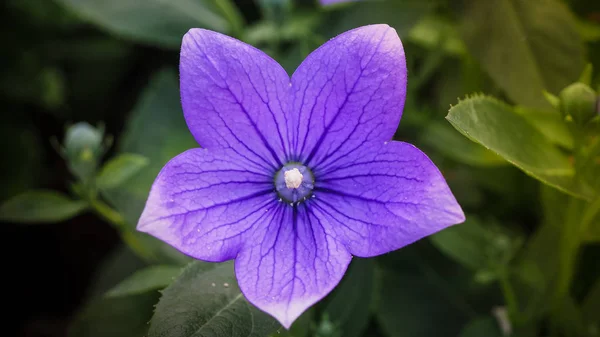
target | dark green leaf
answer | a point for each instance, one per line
(494, 125)
(348, 306)
(156, 21)
(467, 243)
(402, 15)
(591, 306)
(409, 304)
(119, 264)
(206, 301)
(482, 327)
(40, 206)
(115, 317)
(20, 143)
(589, 30)
(151, 278)
(119, 169)
(157, 117)
(438, 33)
(591, 219)
(568, 319)
(447, 141)
(418, 286)
(525, 46)
(538, 272)
(126, 316)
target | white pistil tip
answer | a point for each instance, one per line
(293, 178)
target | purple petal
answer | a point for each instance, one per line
(206, 202)
(349, 91)
(383, 197)
(293, 264)
(233, 96)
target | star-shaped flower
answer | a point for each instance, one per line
(296, 175)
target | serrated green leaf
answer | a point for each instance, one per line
(550, 123)
(525, 46)
(119, 169)
(450, 143)
(157, 22)
(40, 206)
(348, 306)
(151, 278)
(494, 125)
(208, 302)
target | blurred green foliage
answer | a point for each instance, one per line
(510, 75)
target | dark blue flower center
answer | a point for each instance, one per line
(294, 182)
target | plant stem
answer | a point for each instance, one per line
(117, 220)
(509, 295)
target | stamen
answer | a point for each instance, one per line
(293, 178)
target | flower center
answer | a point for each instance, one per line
(294, 182)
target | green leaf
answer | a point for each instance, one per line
(409, 303)
(119, 169)
(482, 327)
(589, 30)
(591, 221)
(21, 143)
(120, 263)
(525, 46)
(447, 141)
(436, 32)
(400, 14)
(494, 125)
(546, 266)
(151, 278)
(206, 301)
(40, 206)
(418, 285)
(568, 319)
(156, 117)
(550, 123)
(115, 317)
(156, 21)
(348, 306)
(591, 306)
(467, 243)
(126, 316)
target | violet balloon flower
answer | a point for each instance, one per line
(296, 175)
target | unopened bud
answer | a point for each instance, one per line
(83, 146)
(579, 102)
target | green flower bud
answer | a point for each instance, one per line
(83, 146)
(578, 101)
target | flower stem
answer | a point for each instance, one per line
(509, 295)
(117, 220)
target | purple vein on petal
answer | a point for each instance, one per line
(325, 132)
